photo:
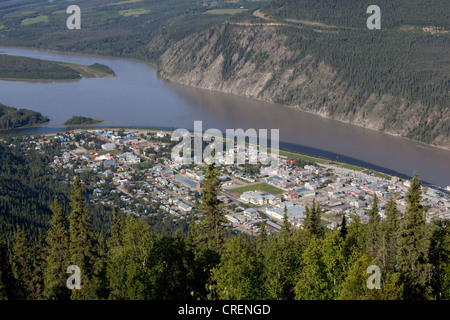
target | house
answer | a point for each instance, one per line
(251, 213)
(161, 134)
(259, 198)
(295, 212)
(232, 218)
(104, 157)
(108, 146)
(186, 181)
(167, 173)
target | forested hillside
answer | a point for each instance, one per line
(318, 56)
(11, 118)
(352, 13)
(390, 80)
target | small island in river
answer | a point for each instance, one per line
(15, 68)
(79, 120)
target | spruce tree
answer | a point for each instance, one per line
(355, 284)
(312, 220)
(114, 268)
(23, 265)
(239, 274)
(412, 254)
(343, 230)
(355, 241)
(261, 239)
(373, 241)
(285, 232)
(389, 234)
(313, 282)
(7, 281)
(57, 261)
(209, 233)
(81, 251)
(40, 254)
(100, 280)
(439, 254)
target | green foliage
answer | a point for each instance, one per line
(313, 282)
(239, 274)
(413, 246)
(11, 118)
(374, 228)
(209, 233)
(13, 67)
(77, 120)
(22, 265)
(81, 252)
(102, 68)
(57, 256)
(7, 282)
(439, 254)
(355, 285)
(312, 220)
(389, 229)
(353, 12)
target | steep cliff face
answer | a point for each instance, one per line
(255, 61)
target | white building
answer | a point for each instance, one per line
(108, 146)
(295, 212)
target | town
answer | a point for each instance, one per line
(132, 169)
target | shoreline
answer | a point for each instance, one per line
(223, 92)
(320, 160)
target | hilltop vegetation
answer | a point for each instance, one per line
(11, 118)
(352, 13)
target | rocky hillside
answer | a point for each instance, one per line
(383, 81)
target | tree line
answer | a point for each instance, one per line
(13, 67)
(11, 118)
(311, 263)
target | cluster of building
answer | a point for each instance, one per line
(128, 168)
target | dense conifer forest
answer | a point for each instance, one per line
(11, 118)
(12, 67)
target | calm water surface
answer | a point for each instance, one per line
(138, 98)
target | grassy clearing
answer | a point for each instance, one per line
(225, 11)
(38, 19)
(295, 155)
(60, 12)
(87, 71)
(122, 2)
(133, 12)
(261, 186)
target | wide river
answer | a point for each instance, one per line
(137, 98)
